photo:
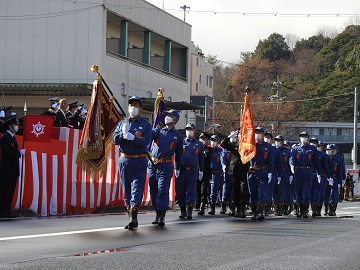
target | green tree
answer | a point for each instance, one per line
(273, 48)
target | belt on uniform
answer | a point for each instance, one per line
(323, 174)
(216, 171)
(162, 160)
(187, 168)
(257, 167)
(303, 167)
(334, 175)
(132, 156)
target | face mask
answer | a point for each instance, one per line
(319, 149)
(189, 133)
(268, 140)
(258, 137)
(303, 140)
(16, 128)
(133, 111)
(277, 144)
(203, 142)
(329, 152)
(168, 120)
(312, 144)
(213, 144)
(232, 140)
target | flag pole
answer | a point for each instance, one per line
(22, 167)
(95, 68)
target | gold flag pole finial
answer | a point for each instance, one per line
(95, 69)
(247, 90)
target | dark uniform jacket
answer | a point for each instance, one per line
(73, 119)
(9, 160)
(60, 120)
(236, 168)
(208, 150)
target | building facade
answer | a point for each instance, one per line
(138, 47)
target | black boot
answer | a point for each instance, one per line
(313, 209)
(261, 211)
(305, 211)
(127, 225)
(254, 213)
(331, 210)
(319, 210)
(326, 210)
(212, 209)
(189, 209)
(183, 212)
(162, 218)
(335, 207)
(232, 209)
(285, 209)
(156, 221)
(242, 211)
(133, 218)
(280, 210)
(296, 209)
(300, 212)
(202, 209)
(223, 207)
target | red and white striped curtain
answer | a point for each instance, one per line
(54, 185)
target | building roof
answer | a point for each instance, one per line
(45, 89)
(148, 104)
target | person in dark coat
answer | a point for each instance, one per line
(238, 172)
(9, 165)
(73, 115)
(60, 119)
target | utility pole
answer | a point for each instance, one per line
(184, 7)
(354, 150)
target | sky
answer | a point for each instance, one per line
(219, 27)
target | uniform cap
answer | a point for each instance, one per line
(313, 139)
(330, 146)
(173, 113)
(304, 133)
(54, 99)
(214, 138)
(204, 135)
(269, 133)
(321, 143)
(73, 104)
(279, 138)
(190, 125)
(11, 119)
(261, 129)
(135, 98)
(81, 105)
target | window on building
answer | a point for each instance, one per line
(211, 82)
(200, 78)
(321, 131)
(339, 132)
(197, 61)
(207, 80)
(315, 131)
(197, 87)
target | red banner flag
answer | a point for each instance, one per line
(38, 128)
(96, 139)
(247, 144)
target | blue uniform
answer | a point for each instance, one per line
(325, 187)
(226, 183)
(272, 186)
(260, 166)
(304, 159)
(216, 164)
(317, 189)
(336, 175)
(284, 172)
(166, 144)
(132, 161)
(192, 162)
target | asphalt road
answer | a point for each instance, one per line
(209, 242)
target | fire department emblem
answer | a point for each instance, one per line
(38, 129)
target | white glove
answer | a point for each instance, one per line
(233, 134)
(319, 178)
(331, 181)
(279, 180)
(2, 114)
(224, 168)
(177, 173)
(13, 113)
(201, 174)
(128, 136)
(269, 177)
(292, 169)
(22, 152)
(83, 111)
(291, 178)
(125, 128)
(54, 106)
(343, 182)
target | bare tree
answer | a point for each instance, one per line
(355, 20)
(328, 31)
(291, 40)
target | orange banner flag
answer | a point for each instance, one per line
(247, 144)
